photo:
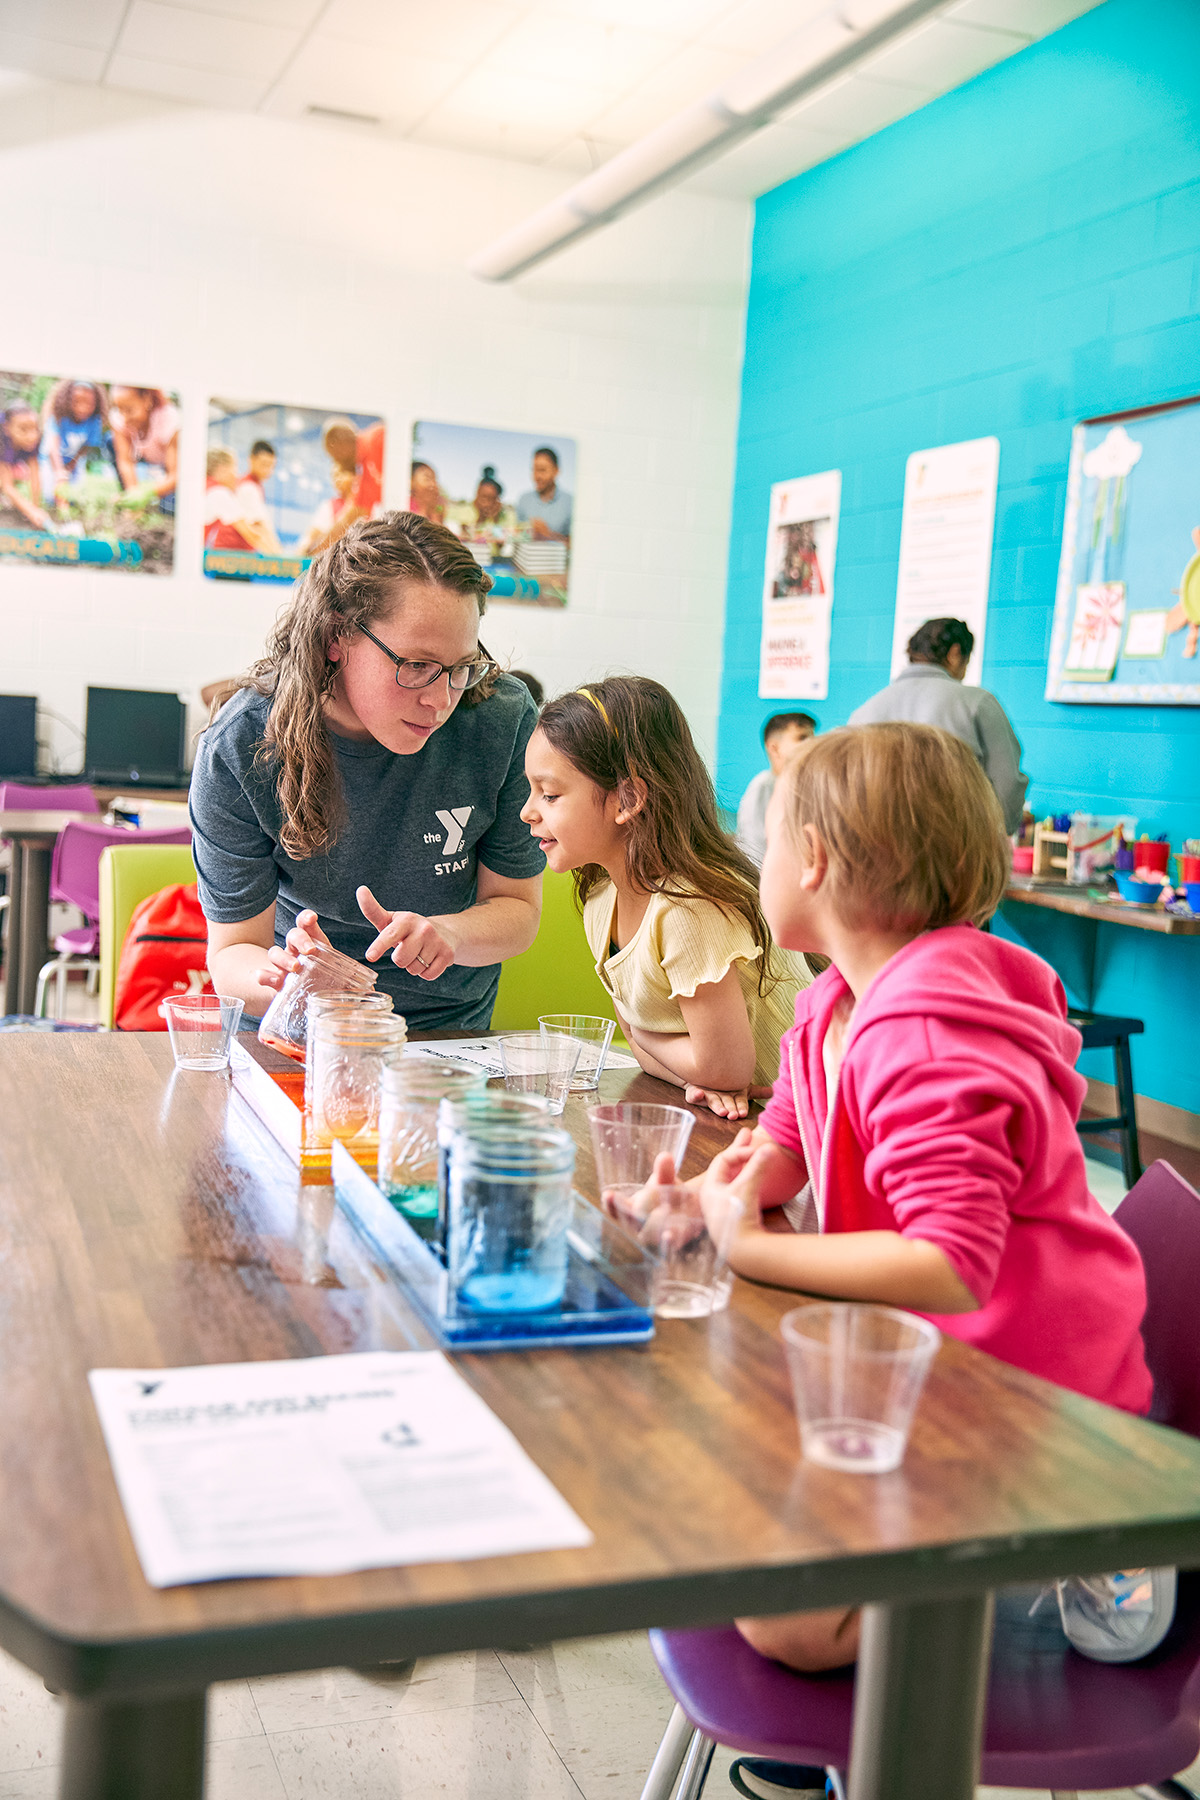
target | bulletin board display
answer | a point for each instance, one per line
(1127, 608)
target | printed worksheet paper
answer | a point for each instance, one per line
(319, 1466)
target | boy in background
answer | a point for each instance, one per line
(783, 735)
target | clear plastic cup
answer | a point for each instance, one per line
(690, 1263)
(201, 1028)
(538, 1062)
(626, 1139)
(594, 1035)
(857, 1374)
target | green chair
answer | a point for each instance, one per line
(556, 974)
(129, 874)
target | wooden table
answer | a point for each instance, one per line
(1080, 904)
(32, 835)
(148, 1218)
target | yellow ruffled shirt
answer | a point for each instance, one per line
(679, 946)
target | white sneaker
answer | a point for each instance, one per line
(1117, 1618)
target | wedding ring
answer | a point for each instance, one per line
(422, 962)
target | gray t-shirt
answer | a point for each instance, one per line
(415, 830)
(555, 513)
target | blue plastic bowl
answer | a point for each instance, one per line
(1192, 890)
(1130, 889)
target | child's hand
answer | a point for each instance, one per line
(734, 1176)
(726, 1106)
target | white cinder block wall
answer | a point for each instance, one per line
(238, 255)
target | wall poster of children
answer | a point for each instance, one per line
(282, 483)
(87, 472)
(509, 495)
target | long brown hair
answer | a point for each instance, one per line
(352, 583)
(629, 729)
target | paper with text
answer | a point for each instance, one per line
(319, 1466)
(483, 1053)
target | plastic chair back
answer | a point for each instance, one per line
(129, 872)
(1161, 1213)
(556, 974)
(75, 870)
(14, 797)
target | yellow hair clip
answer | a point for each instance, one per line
(599, 706)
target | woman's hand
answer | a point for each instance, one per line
(283, 960)
(726, 1106)
(417, 944)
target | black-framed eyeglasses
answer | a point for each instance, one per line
(416, 674)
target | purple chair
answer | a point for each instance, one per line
(75, 880)
(1054, 1719)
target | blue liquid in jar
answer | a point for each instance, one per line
(517, 1290)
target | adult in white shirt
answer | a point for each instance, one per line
(783, 735)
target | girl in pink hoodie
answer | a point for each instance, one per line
(921, 1134)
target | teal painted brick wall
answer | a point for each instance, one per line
(1020, 254)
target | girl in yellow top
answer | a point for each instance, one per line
(619, 794)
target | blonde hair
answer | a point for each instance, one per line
(217, 457)
(910, 823)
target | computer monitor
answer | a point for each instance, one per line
(18, 734)
(134, 736)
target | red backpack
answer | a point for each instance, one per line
(165, 952)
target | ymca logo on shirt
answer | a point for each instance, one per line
(453, 821)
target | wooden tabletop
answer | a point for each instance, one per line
(148, 1218)
(28, 826)
(1116, 911)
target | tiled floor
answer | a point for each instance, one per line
(577, 1721)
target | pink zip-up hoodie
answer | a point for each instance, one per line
(954, 1120)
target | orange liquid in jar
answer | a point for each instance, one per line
(285, 1046)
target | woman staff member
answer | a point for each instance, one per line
(364, 786)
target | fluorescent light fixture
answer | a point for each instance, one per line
(824, 49)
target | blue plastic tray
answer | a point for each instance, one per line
(607, 1299)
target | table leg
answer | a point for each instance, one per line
(35, 920)
(133, 1749)
(12, 949)
(919, 1700)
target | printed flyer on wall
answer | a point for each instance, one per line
(798, 587)
(281, 483)
(87, 472)
(509, 495)
(946, 543)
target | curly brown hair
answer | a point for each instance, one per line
(629, 728)
(350, 584)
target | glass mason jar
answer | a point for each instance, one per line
(413, 1088)
(323, 1003)
(349, 1049)
(484, 1106)
(510, 1206)
(322, 970)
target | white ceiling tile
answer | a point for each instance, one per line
(547, 48)
(758, 25)
(580, 155)
(459, 30)
(201, 40)
(677, 18)
(388, 84)
(562, 108)
(56, 62)
(296, 15)
(686, 77)
(203, 87)
(856, 105)
(1035, 18)
(92, 23)
(526, 139)
(772, 155)
(940, 55)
